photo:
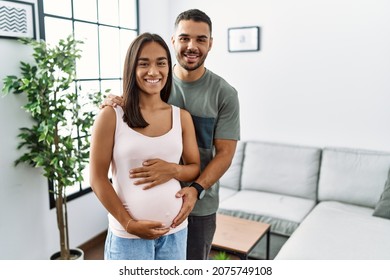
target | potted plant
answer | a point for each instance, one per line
(221, 255)
(57, 140)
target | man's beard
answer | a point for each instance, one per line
(191, 67)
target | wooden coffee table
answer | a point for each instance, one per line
(239, 236)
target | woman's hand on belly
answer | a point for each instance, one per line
(147, 229)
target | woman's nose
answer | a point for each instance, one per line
(152, 70)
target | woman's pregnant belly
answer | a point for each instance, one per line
(156, 204)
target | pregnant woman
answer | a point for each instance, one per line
(145, 132)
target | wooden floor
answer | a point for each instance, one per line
(94, 249)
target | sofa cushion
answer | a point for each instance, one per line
(382, 208)
(224, 193)
(232, 177)
(281, 168)
(338, 231)
(353, 176)
(283, 213)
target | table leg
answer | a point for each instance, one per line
(268, 244)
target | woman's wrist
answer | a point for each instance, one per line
(128, 223)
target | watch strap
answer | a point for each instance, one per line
(199, 188)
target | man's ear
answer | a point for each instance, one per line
(173, 40)
(211, 43)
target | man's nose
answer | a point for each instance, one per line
(191, 44)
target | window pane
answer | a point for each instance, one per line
(115, 86)
(52, 25)
(85, 10)
(109, 52)
(127, 36)
(88, 66)
(73, 189)
(84, 89)
(85, 184)
(69, 129)
(128, 13)
(107, 28)
(58, 7)
(108, 12)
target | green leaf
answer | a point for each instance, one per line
(222, 255)
(47, 85)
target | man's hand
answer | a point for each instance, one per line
(190, 197)
(153, 172)
(113, 101)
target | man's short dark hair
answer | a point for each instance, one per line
(195, 15)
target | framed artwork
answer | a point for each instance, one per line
(244, 39)
(17, 19)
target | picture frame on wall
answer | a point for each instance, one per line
(244, 39)
(17, 19)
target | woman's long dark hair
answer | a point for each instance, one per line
(132, 112)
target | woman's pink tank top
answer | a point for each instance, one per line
(131, 148)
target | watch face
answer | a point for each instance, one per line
(201, 194)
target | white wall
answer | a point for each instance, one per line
(321, 78)
(155, 20)
(158, 20)
(322, 75)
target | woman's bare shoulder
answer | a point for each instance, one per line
(184, 113)
(106, 116)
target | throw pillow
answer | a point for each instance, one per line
(382, 208)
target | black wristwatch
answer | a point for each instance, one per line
(200, 189)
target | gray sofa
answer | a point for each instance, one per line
(319, 201)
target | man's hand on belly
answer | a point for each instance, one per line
(190, 197)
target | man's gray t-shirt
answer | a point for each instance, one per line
(214, 107)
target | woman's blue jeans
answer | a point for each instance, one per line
(167, 247)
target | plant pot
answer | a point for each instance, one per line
(75, 254)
